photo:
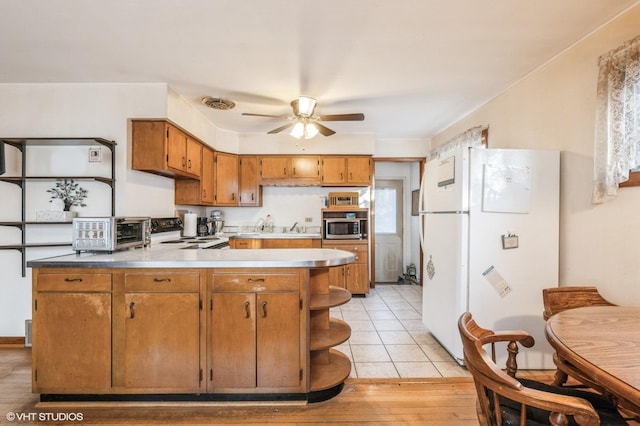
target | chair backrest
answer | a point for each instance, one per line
(494, 385)
(558, 299)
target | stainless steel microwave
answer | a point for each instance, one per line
(110, 233)
(343, 229)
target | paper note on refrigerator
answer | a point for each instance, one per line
(495, 279)
(506, 189)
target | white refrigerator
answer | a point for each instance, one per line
(489, 233)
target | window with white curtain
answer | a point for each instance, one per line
(617, 133)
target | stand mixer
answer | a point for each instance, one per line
(217, 221)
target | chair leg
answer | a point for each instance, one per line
(560, 378)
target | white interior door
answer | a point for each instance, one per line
(388, 228)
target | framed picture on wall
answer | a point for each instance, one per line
(414, 202)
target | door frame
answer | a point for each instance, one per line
(372, 210)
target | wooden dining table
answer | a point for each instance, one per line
(602, 342)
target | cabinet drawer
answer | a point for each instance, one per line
(256, 282)
(359, 250)
(162, 281)
(74, 282)
(246, 243)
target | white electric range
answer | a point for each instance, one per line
(168, 231)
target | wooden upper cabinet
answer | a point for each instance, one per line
(194, 156)
(290, 170)
(226, 179)
(248, 186)
(198, 192)
(334, 171)
(346, 171)
(160, 147)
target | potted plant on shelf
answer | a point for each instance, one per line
(65, 194)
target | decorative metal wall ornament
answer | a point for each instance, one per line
(431, 269)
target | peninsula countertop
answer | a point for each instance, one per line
(157, 256)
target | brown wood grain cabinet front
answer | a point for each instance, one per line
(354, 276)
(71, 332)
(290, 170)
(346, 170)
(161, 342)
(217, 332)
(256, 332)
(202, 191)
(248, 185)
(162, 148)
(226, 179)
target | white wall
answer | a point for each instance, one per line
(554, 108)
(78, 110)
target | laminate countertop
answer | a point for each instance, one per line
(161, 256)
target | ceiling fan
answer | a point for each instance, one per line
(303, 123)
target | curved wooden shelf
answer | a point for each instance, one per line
(325, 376)
(337, 296)
(338, 332)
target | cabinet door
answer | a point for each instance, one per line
(176, 148)
(278, 339)
(162, 340)
(359, 170)
(357, 278)
(337, 276)
(274, 167)
(248, 187)
(305, 167)
(207, 178)
(334, 170)
(194, 156)
(233, 340)
(226, 180)
(71, 342)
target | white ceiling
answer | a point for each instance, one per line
(411, 66)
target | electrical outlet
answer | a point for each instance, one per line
(308, 219)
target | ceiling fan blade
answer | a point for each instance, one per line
(263, 115)
(342, 117)
(281, 128)
(324, 130)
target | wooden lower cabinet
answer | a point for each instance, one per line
(71, 332)
(162, 331)
(256, 332)
(210, 333)
(354, 276)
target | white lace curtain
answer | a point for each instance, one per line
(617, 132)
(470, 138)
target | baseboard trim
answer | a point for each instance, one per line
(11, 342)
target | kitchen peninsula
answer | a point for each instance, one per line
(161, 323)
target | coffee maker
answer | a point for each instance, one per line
(217, 221)
(202, 227)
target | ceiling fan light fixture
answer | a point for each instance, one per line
(304, 106)
(304, 130)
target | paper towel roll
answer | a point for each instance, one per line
(190, 225)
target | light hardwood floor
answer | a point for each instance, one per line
(410, 401)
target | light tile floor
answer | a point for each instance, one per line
(388, 339)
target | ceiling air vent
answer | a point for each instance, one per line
(218, 103)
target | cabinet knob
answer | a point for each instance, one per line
(247, 310)
(256, 280)
(161, 280)
(264, 309)
(73, 280)
(132, 313)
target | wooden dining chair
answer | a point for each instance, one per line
(558, 299)
(504, 399)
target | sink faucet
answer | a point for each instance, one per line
(293, 227)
